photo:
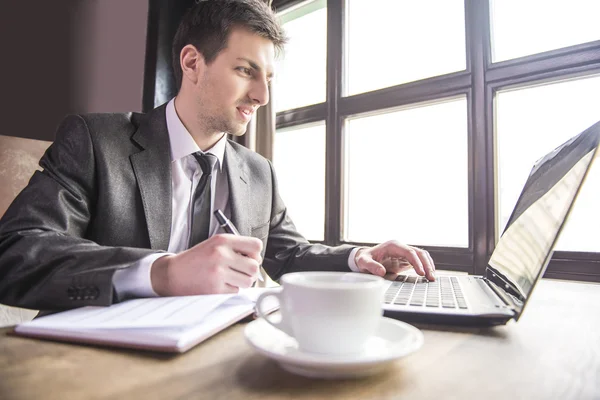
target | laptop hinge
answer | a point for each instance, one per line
(504, 284)
(512, 301)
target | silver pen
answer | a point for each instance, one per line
(228, 227)
(225, 223)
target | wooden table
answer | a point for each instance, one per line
(553, 352)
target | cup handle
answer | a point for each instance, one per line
(282, 325)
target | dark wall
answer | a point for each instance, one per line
(68, 56)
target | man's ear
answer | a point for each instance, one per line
(192, 63)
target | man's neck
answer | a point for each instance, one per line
(205, 140)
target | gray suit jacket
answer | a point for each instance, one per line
(103, 201)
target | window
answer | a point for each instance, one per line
(300, 71)
(530, 123)
(521, 28)
(430, 115)
(378, 54)
(299, 161)
(397, 164)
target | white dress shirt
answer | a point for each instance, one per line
(185, 175)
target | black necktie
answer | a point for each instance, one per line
(201, 203)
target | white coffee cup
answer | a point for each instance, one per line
(328, 312)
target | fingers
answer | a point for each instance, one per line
(229, 289)
(431, 264)
(235, 278)
(412, 255)
(396, 265)
(247, 269)
(240, 258)
(248, 246)
(426, 263)
(420, 259)
(371, 266)
(221, 264)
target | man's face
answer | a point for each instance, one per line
(235, 84)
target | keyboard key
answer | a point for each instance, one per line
(417, 291)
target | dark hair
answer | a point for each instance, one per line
(207, 25)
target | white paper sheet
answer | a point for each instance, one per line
(161, 312)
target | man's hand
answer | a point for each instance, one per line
(221, 264)
(392, 258)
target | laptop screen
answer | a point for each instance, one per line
(526, 245)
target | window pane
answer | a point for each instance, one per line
(300, 71)
(406, 176)
(521, 28)
(402, 41)
(299, 159)
(530, 123)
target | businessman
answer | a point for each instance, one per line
(122, 207)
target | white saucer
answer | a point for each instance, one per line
(393, 340)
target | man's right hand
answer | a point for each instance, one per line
(223, 263)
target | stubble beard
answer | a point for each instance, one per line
(217, 124)
(215, 121)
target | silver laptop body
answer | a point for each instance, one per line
(520, 256)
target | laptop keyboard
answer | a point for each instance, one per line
(417, 291)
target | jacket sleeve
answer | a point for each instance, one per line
(45, 261)
(288, 251)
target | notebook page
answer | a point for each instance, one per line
(161, 312)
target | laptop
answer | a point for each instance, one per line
(520, 256)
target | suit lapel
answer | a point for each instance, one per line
(152, 168)
(239, 195)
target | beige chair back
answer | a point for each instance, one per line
(18, 160)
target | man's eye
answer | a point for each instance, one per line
(245, 71)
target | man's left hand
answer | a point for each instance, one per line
(394, 257)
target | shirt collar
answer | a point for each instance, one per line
(182, 143)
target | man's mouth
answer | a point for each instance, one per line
(246, 113)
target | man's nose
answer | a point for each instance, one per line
(260, 92)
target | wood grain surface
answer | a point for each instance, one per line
(553, 352)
